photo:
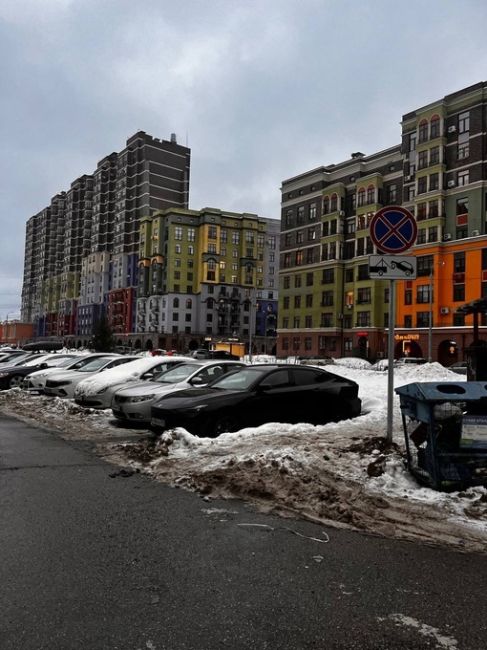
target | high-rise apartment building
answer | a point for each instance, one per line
(328, 303)
(88, 236)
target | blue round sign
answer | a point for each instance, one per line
(393, 229)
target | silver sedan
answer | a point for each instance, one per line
(134, 403)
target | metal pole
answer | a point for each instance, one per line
(390, 364)
(250, 326)
(430, 324)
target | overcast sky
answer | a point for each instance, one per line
(260, 90)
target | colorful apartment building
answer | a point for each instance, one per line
(328, 303)
(207, 276)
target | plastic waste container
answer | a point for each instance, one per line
(445, 426)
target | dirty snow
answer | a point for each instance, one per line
(319, 472)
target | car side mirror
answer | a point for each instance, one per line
(198, 381)
(263, 388)
(43, 365)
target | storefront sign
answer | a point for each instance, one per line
(406, 337)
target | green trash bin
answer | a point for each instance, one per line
(445, 428)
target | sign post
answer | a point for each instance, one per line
(393, 230)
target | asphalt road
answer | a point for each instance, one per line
(94, 561)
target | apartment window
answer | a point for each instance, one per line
(464, 122)
(312, 211)
(461, 233)
(484, 259)
(326, 320)
(309, 300)
(297, 281)
(212, 249)
(411, 192)
(328, 275)
(285, 302)
(288, 239)
(178, 233)
(360, 246)
(423, 131)
(408, 321)
(363, 319)
(327, 298)
(434, 181)
(422, 187)
(212, 231)
(299, 258)
(463, 150)
(235, 237)
(458, 320)
(190, 250)
(326, 205)
(462, 206)
(408, 297)
(425, 265)
(423, 294)
(223, 236)
(311, 234)
(309, 279)
(299, 237)
(458, 292)
(308, 323)
(364, 296)
(421, 236)
(433, 209)
(286, 282)
(459, 262)
(392, 193)
(191, 234)
(434, 155)
(422, 319)
(333, 227)
(296, 322)
(433, 234)
(422, 159)
(300, 214)
(435, 126)
(288, 219)
(363, 272)
(297, 302)
(361, 197)
(421, 211)
(463, 177)
(334, 203)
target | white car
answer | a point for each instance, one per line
(36, 381)
(134, 402)
(62, 384)
(97, 392)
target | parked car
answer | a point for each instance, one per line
(14, 359)
(98, 391)
(36, 381)
(135, 402)
(203, 353)
(13, 376)
(62, 384)
(258, 394)
(460, 367)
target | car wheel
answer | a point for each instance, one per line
(221, 424)
(15, 381)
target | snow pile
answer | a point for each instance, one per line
(343, 472)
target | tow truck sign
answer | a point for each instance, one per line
(392, 267)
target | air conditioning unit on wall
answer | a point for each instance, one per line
(452, 129)
(451, 183)
(444, 310)
(446, 236)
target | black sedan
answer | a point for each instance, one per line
(256, 395)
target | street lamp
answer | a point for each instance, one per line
(430, 319)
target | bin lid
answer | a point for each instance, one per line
(444, 391)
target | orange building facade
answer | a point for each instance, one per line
(15, 333)
(450, 274)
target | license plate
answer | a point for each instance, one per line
(158, 422)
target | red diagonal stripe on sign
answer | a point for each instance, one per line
(393, 230)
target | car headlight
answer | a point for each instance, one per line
(3, 374)
(102, 390)
(140, 398)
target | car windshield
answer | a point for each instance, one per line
(240, 380)
(175, 375)
(36, 360)
(94, 364)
